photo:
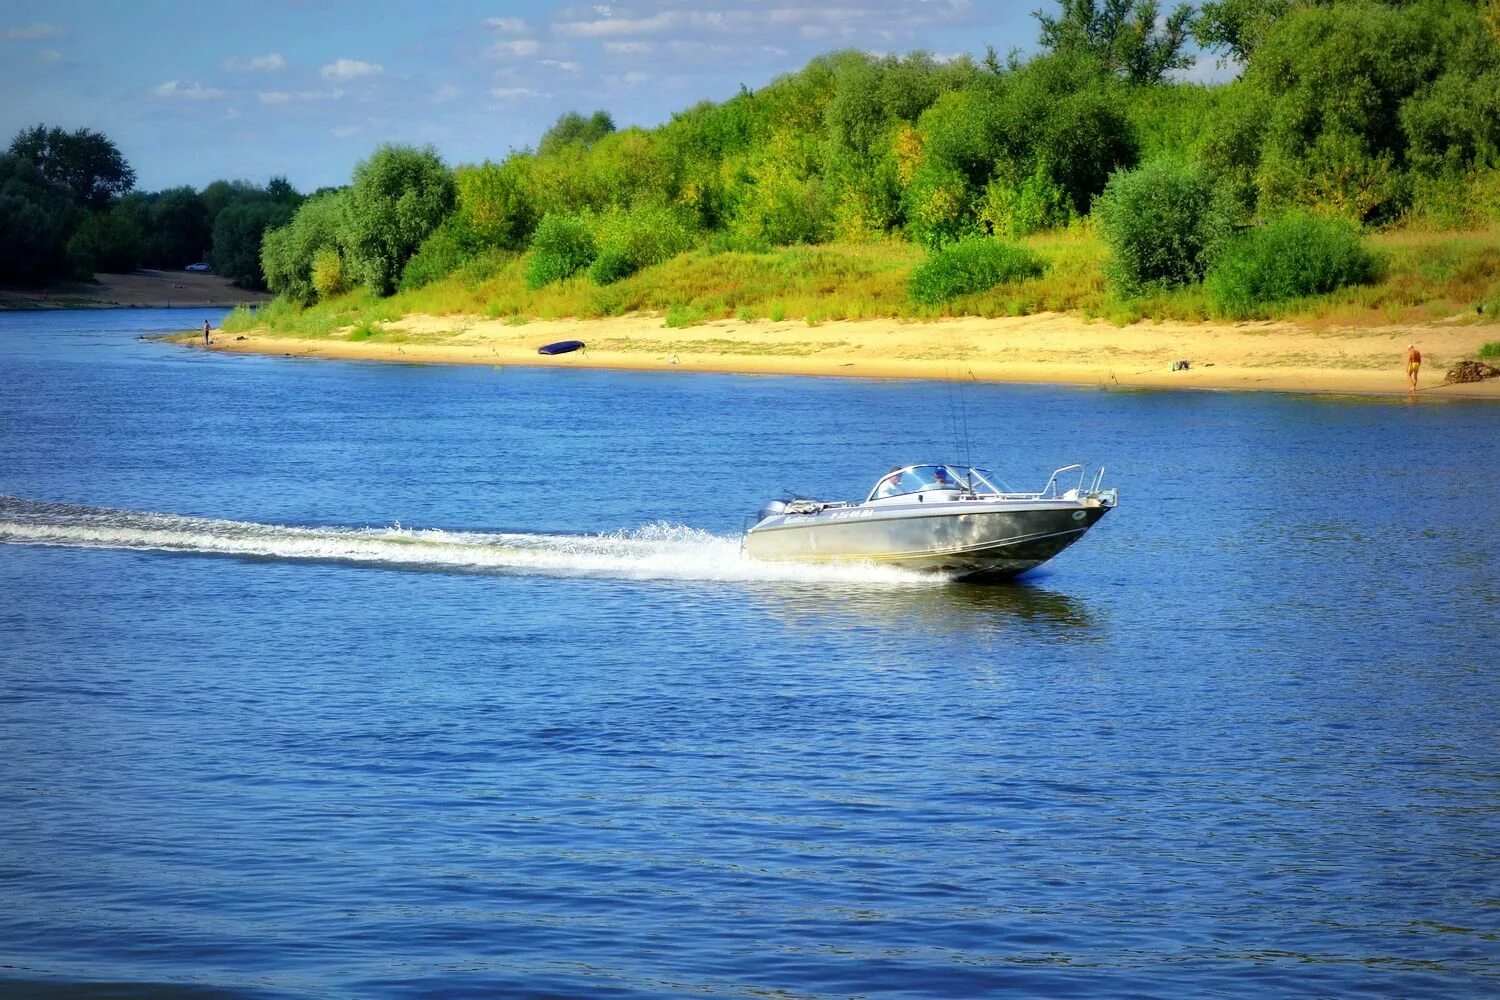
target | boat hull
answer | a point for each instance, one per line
(969, 541)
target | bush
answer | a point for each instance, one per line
(937, 206)
(1036, 204)
(1490, 350)
(628, 241)
(562, 246)
(1163, 224)
(451, 245)
(971, 265)
(1290, 258)
(328, 276)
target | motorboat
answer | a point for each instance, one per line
(948, 519)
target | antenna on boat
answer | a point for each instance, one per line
(958, 413)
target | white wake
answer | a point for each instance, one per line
(655, 552)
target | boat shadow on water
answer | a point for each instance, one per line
(951, 608)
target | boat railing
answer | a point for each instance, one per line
(1049, 492)
(1054, 489)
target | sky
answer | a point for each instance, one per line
(194, 91)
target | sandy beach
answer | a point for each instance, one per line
(146, 289)
(1047, 348)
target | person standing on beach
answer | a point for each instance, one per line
(1413, 364)
(206, 341)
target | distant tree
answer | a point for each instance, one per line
(238, 232)
(108, 241)
(220, 194)
(278, 188)
(37, 217)
(177, 228)
(399, 196)
(1127, 36)
(572, 128)
(84, 161)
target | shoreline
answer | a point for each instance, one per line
(1048, 348)
(145, 289)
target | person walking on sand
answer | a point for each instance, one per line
(1413, 364)
(206, 341)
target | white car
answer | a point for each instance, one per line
(198, 267)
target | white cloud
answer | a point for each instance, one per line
(176, 89)
(344, 131)
(290, 96)
(512, 25)
(267, 63)
(513, 93)
(48, 57)
(33, 32)
(632, 79)
(615, 26)
(350, 69)
(809, 21)
(565, 66)
(519, 49)
(628, 48)
(447, 92)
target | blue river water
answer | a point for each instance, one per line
(359, 680)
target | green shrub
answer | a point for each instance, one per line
(937, 203)
(328, 275)
(287, 254)
(1295, 256)
(562, 246)
(497, 201)
(679, 315)
(1163, 223)
(628, 241)
(450, 246)
(1490, 350)
(1034, 205)
(971, 265)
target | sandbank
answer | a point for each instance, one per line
(1044, 348)
(145, 289)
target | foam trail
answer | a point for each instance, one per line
(656, 552)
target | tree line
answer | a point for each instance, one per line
(1371, 113)
(68, 210)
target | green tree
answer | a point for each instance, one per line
(37, 217)
(290, 254)
(86, 162)
(177, 228)
(399, 196)
(238, 232)
(109, 241)
(1351, 95)
(572, 128)
(497, 202)
(1237, 26)
(1126, 36)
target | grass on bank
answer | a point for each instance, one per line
(1424, 276)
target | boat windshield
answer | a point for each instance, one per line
(916, 478)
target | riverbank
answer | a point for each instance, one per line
(1045, 348)
(146, 289)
